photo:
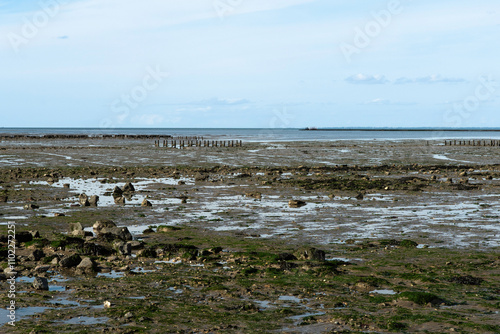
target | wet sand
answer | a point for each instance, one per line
(356, 193)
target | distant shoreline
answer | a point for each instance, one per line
(403, 129)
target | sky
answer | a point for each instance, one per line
(249, 63)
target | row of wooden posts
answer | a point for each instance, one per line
(176, 143)
(479, 142)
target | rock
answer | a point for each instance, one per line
(120, 200)
(200, 177)
(136, 244)
(255, 194)
(331, 196)
(145, 202)
(107, 304)
(55, 261)
(463, 174)
(359, 196)
(128, 315)
(286, 257)
(296, 203)
(181, 183)
(117, 192)
(36, 255)
(35, 234)
(58, 214)
(31, 207)
(70, 261)
(147, 252)
(4, 198)
(93, 200)
(100, 224)
(66, 185)
(124, 248)
(42, 268)
(116, 233)
(24, 236)
(129, 187)
(75, 227)
(83, 200)
(86, 264)
(41, 283)
(311, 253)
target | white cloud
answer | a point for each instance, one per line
(367, 79)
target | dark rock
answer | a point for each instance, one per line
(124, 248)
(117, 192)
(311, 253)
(129, 187)
(95, 249)
(111, 233)
(41, 283)
(24, 236)
(286, 257)
(4, 198)
(359, 196)
(70, 261)
(36, 255)
(66, 185)
(58, 214)
(120, 200)
(467, 280)
(296, 203)
(31, 207)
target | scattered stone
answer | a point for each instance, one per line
(66, 185)
(35, 234)
(93, 200)
(117, 192)
(467, 280)
(75, 227)
(70, 261)
(124, 248)
(83, 200)
(296, 203)
(181, 183)
(41, 283)
(36, 255)
(86, 264)
(107, 304)
(136, 244)
(58, 214)
(42, 268)
(255, 194)
(360, 197)
(115, 233)
(331, 196)
(145, 203)
(24, 236)
(129, 187)
(31, 207)
(4, 198)
(128, 315)
(311, 253)
(100, 224)
(120, 200)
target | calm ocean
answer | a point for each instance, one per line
(276, 134)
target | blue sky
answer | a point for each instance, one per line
(249, 63)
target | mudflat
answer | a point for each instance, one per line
(298, 237)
